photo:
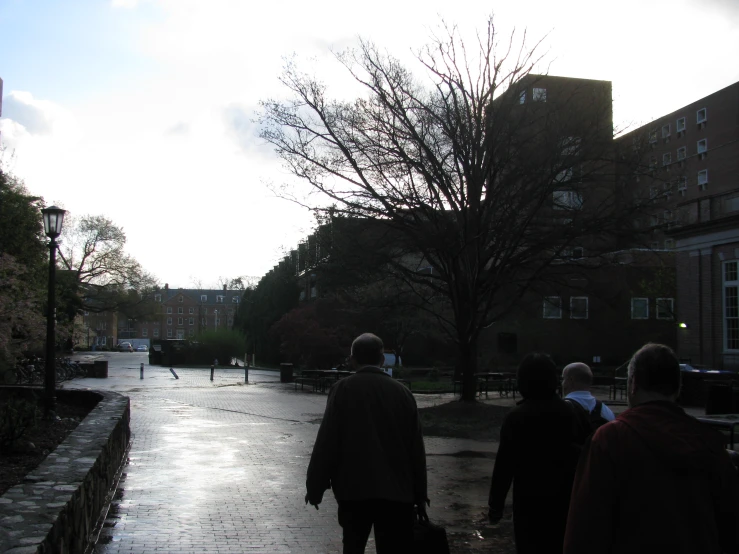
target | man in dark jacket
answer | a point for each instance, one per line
(655, 479)
(370, 451)
(538, 455)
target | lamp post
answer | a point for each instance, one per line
(53, 219)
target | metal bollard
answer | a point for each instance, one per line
(212, 369)
(142, 370)
(246, 373)
(173, 373)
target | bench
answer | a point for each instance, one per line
(481, 386)
(306, 381)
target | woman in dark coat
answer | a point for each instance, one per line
(538, 455)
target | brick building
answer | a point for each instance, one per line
(187, 312)
(692, 166)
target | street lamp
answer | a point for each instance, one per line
(53, 219)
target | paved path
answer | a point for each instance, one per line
(220, 467)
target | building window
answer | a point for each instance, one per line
(570, 146)
(680, 125)
(203, 297)
(191, 332)
(640, 308)
(702, 146)
(682, 153)
(567, 200)
(144, 332)
(731, 306)
(180, 320)
(169, 333)
(539, 95)
(666, 158)
(701, 116)
(191, 321)
(703, 179)
(156, 333)
(552, 307)
(169, 310)
(220, 299)
(180, 334)
(181, 298)
(169, 321)
(682, 185)
(653, 136)
(180, 310)
(665, 130)
(103, 340)
(665, 308)
(157, 298)
(578, 307)
(234, 299)
(192, 310)
(522, 97)
(203, 321)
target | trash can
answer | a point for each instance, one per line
(719, 399)
(100, 369)
(286, 373)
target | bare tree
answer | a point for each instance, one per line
(477, 173)
(92, 249)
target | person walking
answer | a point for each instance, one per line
(369, 450)
(537, 454)
(655, 479)
(590, 413)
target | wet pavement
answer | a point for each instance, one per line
(220, 467)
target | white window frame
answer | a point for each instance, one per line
(169, 321)
(234, 300)
(666, 130)
(180, 310)
(539, 94)
(156, 333)
(180, 320)
(554, 305)
(666, 158)
(573, 299)
(180, 334)
(652, 136)
(701, 116)
(181, 298)
(701, 146)
(727, 284)
(660, 307)
(157, 298)
(169, 333)
(203, 297)
(680, 124)
(169, 309)
(702, 179)
(682, 153)
(144, 332)
(191, 321)
(220, 299)
(192, 310)
(633, 303)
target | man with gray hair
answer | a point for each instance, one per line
(370, 451)
(590, 413)
(655, 479)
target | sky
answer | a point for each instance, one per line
(145, 110)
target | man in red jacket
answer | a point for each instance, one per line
(655, 479)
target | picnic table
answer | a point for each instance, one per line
(320, 379)
(723, 422)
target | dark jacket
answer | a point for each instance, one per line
(370, 443)
(538, 455)
(654, 480)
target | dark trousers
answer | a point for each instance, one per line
(393, 523)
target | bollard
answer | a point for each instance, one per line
(173, 373)
(212, 369)
(246, 373)
(142, 370)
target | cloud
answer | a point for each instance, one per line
(242, 128)
(180, 128)
(127, 4)
(36, 116)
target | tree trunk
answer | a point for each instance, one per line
(466, 369)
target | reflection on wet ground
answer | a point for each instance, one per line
(220, 467)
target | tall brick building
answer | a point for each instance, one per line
(692, 163)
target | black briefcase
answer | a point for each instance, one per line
(429, 538)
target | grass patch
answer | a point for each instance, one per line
(463, 420)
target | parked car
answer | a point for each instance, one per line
(142, 348)
(125, 347)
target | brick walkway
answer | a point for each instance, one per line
(220, 467)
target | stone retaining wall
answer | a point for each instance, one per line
(58, 506)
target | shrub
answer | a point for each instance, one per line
(16, 416)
